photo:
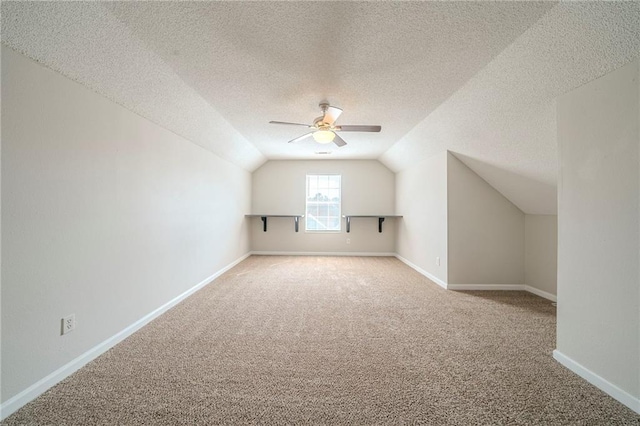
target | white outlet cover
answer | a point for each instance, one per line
(68, 323)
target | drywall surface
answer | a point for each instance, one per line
(421, 194)
(368, 188)
(598, 227)
(541, 252)
(105, 215)
(486, 231)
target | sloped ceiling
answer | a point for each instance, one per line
(476, 78)
(502, 122)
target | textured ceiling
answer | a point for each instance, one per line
(383, 63)
(477, 78)
(502, 122)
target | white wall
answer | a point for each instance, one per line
(1, 243)
(368, 188)
(599, 232)
(486, 231)
(105, 215)
(421, 194)
(541, 252)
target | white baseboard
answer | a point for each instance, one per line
(511, 287)
(422, 271)
(320, 253)
(599, 382)
(16, 402)
(541, 293)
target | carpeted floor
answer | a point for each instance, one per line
(333, 340)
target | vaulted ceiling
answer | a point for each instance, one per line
(477, 78)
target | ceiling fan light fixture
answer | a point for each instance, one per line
(324, 136)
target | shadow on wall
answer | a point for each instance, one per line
(528, 194)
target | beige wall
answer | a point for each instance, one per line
(541, 252)
(421, 193)
(105, 215)
(486, 231)
(599, 228)
(368, 188)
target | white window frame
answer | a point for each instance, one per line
(310, 217)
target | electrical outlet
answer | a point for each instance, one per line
(438, 260)
(68, 323)
(348, 240)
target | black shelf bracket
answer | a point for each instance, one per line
(380, 220)
(264, 217)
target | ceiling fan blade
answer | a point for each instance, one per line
(339, 141)
(299, 138)
(331, 115)
(358, 128)
(291, 124)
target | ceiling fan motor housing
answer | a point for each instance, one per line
(318, 123)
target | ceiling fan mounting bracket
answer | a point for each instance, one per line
(324, 105)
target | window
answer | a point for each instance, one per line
(323, 213)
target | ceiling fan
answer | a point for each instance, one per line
(324, 127)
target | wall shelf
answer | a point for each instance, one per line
(296, 219)
(380, 217)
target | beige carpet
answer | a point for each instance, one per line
(326, 340)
